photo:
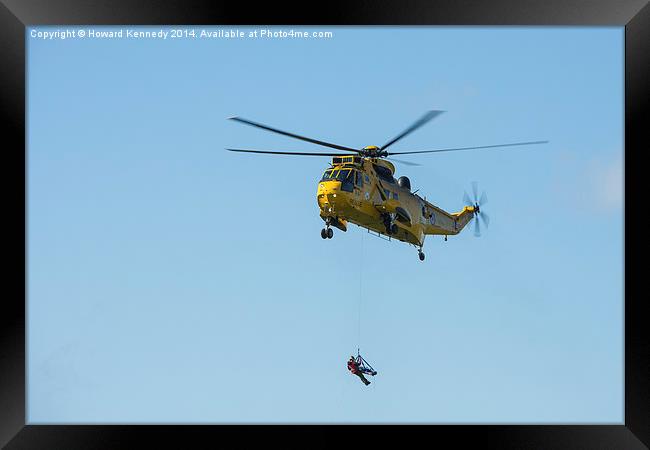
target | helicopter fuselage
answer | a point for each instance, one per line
(360, 188)
(363, 191)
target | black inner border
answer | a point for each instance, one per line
(15, 15)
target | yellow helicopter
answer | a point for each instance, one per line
(360, 188)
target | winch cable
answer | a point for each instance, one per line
(364, 366)
(360, 293)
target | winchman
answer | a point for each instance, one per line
(353, 367)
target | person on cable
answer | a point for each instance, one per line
(353, 367)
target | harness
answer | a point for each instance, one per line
(364, 366)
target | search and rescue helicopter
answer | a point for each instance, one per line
(360, 188)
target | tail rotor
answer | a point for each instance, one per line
(477, 203)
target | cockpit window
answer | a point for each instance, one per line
(345, 176)
(337, 174)
(342, 174)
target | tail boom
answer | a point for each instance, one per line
(441, 222)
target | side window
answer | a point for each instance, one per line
(387, 192)
(358, 180)
(395, 195)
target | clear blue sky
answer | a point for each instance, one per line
(172, 281)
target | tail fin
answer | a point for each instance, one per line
(462, 218)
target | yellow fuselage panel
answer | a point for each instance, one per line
(353, 206)
(366, 207)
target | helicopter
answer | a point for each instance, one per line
(360, 187)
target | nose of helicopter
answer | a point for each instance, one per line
(329, 195)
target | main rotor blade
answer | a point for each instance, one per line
(297, 136)
(418, 123)
(281, 153)
(408, 163)
(468, 148)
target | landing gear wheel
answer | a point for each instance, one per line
(323, 233)
(394, 229)
(330, 233)
(421, 255)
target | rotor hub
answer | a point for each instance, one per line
(372, 151)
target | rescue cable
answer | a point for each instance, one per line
(360, 293)
(363, 365)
